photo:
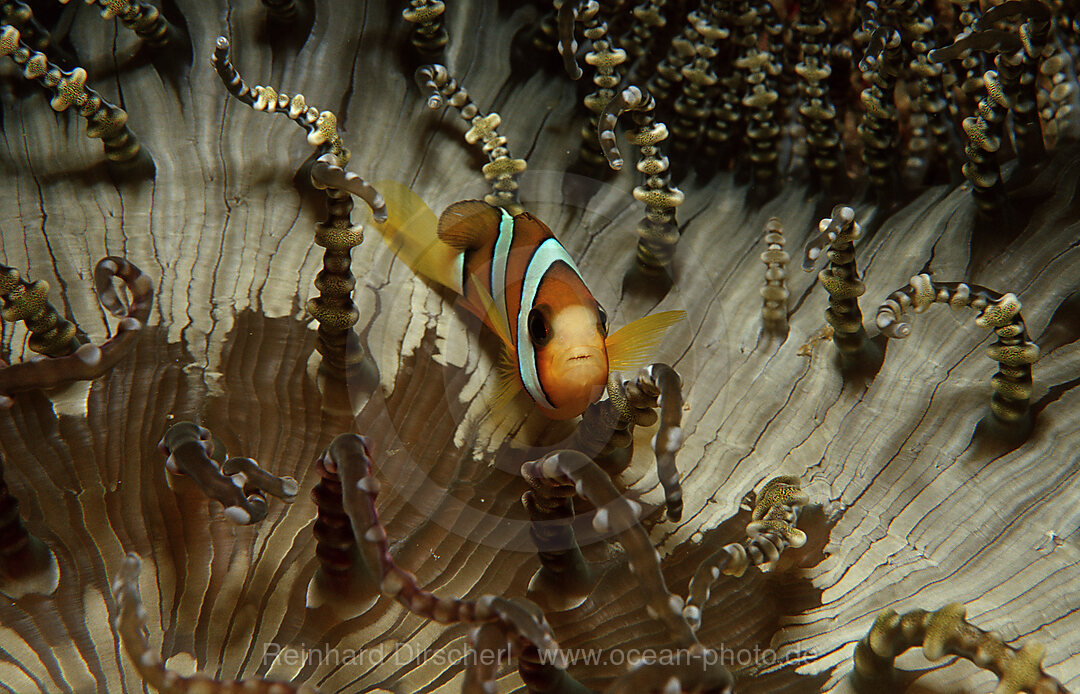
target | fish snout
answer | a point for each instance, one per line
(584, 356)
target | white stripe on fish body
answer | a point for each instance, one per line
(459, 273)
(546, 255)
(499, 260)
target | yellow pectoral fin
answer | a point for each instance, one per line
(632, 345)
(508, 384)
(506, 369)
(411, 231)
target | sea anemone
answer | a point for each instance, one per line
(904, 502)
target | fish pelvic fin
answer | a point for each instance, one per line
(411, 232)
(631, 346)
(468, 225)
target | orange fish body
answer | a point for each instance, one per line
(539, 304)
(515, 275)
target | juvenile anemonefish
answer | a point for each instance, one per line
(519, 280)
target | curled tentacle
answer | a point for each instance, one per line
(607, 60)
(321, 126)
(991, 40)
(771, 530)
(284, 488)
(344, 573)
(349, 457)
(568, 15)
(103, 119)
(828, 232)
(1013, 351)
(327, 172)
(658, 231)
(661, 385)
(333, 308)
(431, 79)
(630, 99)
(89, 361)
(141, 17)
(620, 517)
(1011, 87)
(922, 292)
(131, 626)
(564, 579)
(138, 283)
(634, 403)
(571, 12)
(50, 333)
(842, 281)
(946, 632)
(502, 170)
(189, 449)
(918, 296)
(608, 425)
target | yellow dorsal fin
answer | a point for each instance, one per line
(410, 230)
(631, 346)
(466, 225)
(494, 316)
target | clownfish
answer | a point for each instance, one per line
(513, 274)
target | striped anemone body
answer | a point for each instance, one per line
(523, 266)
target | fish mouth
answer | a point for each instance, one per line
(582, 356)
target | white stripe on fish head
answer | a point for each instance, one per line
(547, 254)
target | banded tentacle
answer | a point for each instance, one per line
(1014, 352)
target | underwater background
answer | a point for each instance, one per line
(908, 506)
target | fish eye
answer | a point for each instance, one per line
(602, 315)
(539, 331)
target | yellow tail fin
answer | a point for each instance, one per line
(410, 231)
(631, 346)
